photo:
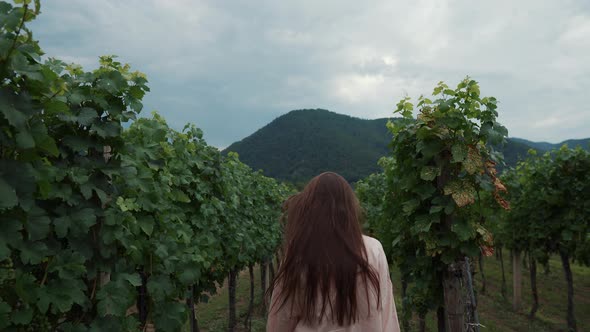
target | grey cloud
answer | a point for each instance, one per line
(232, 66)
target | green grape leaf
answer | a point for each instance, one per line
(113, 299)
(33, 252)
(25, 140)
(463, 230)
(133, 279)
(38, 227)
(5, 310)
(160, 287)
(474, 163)
(459, 152)
(87, 116)
(8, 196)
(56, 107)
(23, 316)
(462, 191)
(170, 317)
(146, 224)
(429, 173)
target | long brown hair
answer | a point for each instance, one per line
(324, 254)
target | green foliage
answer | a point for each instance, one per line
(56, 121)
(169, 204)
(371, 192)
(90, 211)
(251, 231)
(550, 197)
(439, 163)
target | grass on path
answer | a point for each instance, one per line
(495, 313)
(213, 315)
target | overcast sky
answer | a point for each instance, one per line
(232, 66)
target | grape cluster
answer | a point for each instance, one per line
(6, 270)
(6, 264)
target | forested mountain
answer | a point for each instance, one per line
(544, 146)
(303, 143)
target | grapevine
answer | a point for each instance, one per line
(106, 226)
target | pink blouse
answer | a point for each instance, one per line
(373, 319)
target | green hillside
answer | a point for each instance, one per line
(515, 150)
(545, 146)
(303, 143)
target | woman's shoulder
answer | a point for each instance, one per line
(373, 246)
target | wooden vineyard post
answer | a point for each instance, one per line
(503, 287)
(454, 307)
(263, 275)
(441, 322)
(534, 291)
(232, 284)
(567, 270)
(516, 281)
(190, 302)
(483, 276)
(248, 320)
(451, 283)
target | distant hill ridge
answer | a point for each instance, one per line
(545, 146)
(303, 143)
